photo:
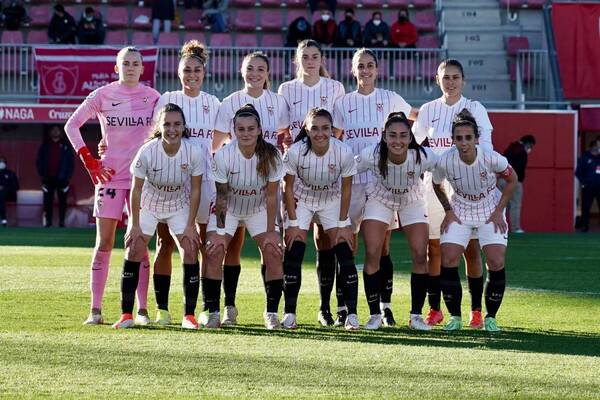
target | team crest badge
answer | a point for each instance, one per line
(332, 168)
(323, 100)
(138, 163)
(184, 167)
(145, 99)
(411, 174)
(270, 109)
(206, 109)
(483, 176)
(380, 107)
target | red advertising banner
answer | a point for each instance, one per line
(577, 38)
(35, 113)
(67, 74)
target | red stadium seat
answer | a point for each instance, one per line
(12, 37)
(141, 38)
(341, 4)
(536, 3)
(423, 3)
(40, 15)
(271, 20)
(271, 3)
(526, 74)
(168, 64)
(372, 3)
(117, 17)
(10, 62)
(404, 69)
(332, 67)
(245, 20)
(428, 42)
(199, 36)
(277, 67)
(246, 40)
(398, 3)
(116, 37)
(245, 3)
(425, 21)
(224, 65)
(428, 67)
(37, 37)
(296, 3)
(138, 13)
(512, 3)
(169, 39)
(293, 14)
(516, 43)
(220, 40)
(191, 19)
(272, 40)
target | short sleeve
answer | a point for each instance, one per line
(430, 161)
(283, 121)
(439, 172)
(340, 92)
(485, 127)
(223, 123)
(338, 114)
(290, 159)
(139, 165)
(218, 169)
(162, 100)
(348, 163)
(364, 160)
(199, 165)
(499, 163)
(399, 104)
(420, 126)
(276, 174)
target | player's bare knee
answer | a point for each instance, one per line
(165, 245)
(190, 253)
(494, 263)
(419, 257)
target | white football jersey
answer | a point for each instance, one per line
(318, 178)
(434, 122)
(167, 178)
(247, 194)
(475, 193)
(302, 98)
(272, 109)
(362, 119)
(402, 185)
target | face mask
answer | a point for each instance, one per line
(349, 17)
(2, 165)
(402, 18)
(376, 22)
(325, 17)
(89, 18)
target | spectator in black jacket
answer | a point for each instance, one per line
(516, 154)
(349, 31)
(377, 32)
(9, 185)
(588, 173)
(91, 28)
(14, 16)
(298, 31)
(62, 27)
(55, 168)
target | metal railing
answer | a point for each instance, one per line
(533, 77)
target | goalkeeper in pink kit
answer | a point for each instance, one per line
(124, 110)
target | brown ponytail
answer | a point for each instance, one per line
(465, 118)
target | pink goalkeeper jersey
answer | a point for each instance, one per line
(125, 116)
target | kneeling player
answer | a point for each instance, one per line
(166, 188)
(318, 182)
(477, 207)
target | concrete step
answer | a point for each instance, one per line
(488, 88)
(470, 16)
(460, 40)
(479, 4)
(481, 63)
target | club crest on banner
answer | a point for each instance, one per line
(60, 80)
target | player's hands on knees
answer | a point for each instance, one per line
(214, 243)
(448, 219)
(497, 218)
(292, 234)
(344, 234)
(273, 239)
(133, 234)
(192, 235)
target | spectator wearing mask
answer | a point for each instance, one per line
(588, 174)
(91, 29)
(298, 31)
(404, 32)
(9, 185)
(14, 16)
(162, 10)
(377, 32)
(349, 31)
(55, 168)
(214, 14)
(62, 28)
(516, 154)
(324, 28)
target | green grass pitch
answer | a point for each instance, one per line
(549, 347)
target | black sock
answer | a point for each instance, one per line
(162, 284)
(434, 292)
(386, 278)
(476, 291)
(494, 292)
(292, 275)
(372, 285)
(326, 269)
(339, 286)
(273, 290)
(348, 275)
(191, 286)
(451, 289)
(418, 292)
(129, 282)
(211, 294)
(231, 275)
(263, 273)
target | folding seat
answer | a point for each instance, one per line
(199, 36)
(169, 39)
(271, 19)
(516, 43)
(12, 37)
(37, 37)
(372, 3)
(138, 20)
(220, 40)
(117, 17)
(428, 42)
(423, 3)
(425, 21)
(142, 38)
(428, 67)
(291, 15)
(272, 40)
(246, 40)
(398, 3)
(526, 73)
(191, 19)
(116, 37)
(404, 69)
(40, 15)
(245, 20)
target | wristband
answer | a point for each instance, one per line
(292, 223)
(344, 223)
(221, 231)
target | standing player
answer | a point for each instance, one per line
(124, 109)
(274, 117)
(477, 208)
(318, 181)
(434, 123)
(312, 88)
(396, 163)
(247, 173)
(200, 111)
(166, 189)
(361, 115)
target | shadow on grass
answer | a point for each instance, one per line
(549, 342)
